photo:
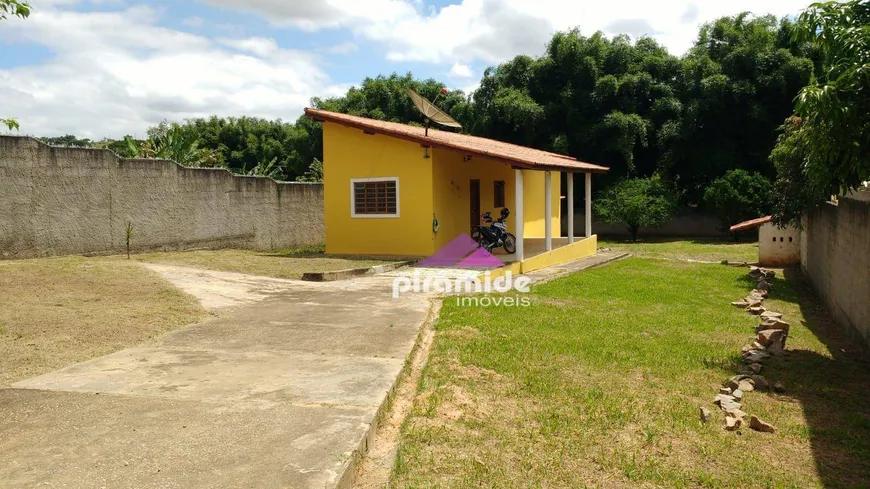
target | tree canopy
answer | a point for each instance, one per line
(825, 149)
(622, 103)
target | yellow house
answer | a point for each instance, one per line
(386, 183)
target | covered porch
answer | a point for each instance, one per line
(534, 247)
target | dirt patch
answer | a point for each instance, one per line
(60, 311)
(218, 290)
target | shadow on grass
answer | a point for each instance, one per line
(677, 239)
(833, 391)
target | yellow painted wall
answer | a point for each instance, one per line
(533, 192)
(349, 153)
(438, 185)
(579, 249)
(564, 254)
(452, 192)
(452, 180)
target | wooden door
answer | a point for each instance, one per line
(475, 202)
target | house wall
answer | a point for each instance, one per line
(452, 195)
(533, 191)
(60, 201)
(779, 246)
(452, 192)
(836, 259)
(350, 153)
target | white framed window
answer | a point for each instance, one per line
(374, 197)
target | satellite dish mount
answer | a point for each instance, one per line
(431, 112)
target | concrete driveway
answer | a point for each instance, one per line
(275, 393)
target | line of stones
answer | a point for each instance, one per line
(770, 338)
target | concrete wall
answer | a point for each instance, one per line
(779, 246)
(685, 223)
(57, 201)
(835, 255)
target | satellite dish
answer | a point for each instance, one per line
(431, 112)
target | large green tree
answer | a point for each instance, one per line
(825, 150)
(737, 85)
(18, 9)
(626, 104)
(598, 99)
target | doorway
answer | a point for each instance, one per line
(475, 202)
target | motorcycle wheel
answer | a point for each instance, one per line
(510, 243)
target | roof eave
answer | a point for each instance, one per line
(431, 143)
(752, 223)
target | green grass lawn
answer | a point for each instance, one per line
(699, 249)
(599, 381)
(289, 264)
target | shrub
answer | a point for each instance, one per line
(637, 202)
(737, 196)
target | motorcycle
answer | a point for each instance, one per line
(496, 234)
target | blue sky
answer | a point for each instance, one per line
(106, 68)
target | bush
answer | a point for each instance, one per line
(738, 196)
(637, 202)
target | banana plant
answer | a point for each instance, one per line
(268, 168)
(176, 145)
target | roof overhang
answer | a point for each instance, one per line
(570, 164)
(754, 223)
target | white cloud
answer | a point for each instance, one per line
(343, 48)
(114, 73)
(194, 21)
(495, 30)
(319, 14)
(459, 70)
(259, 46)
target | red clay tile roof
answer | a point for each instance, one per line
(754, 223)
(518, 156)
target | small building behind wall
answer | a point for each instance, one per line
(385, 184)
(777, 246)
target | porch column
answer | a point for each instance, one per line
(570, 199)
(518, 213)
(548, 211)
(588, 205)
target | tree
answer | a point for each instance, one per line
(20, 9)
(826, 150)
(626, 132)
(171, 142)
(738, 196)
(15, 8)
(69, 141)
(637, 202)
(314, 173)
(737, 85)
(791, 196)
(266, 169)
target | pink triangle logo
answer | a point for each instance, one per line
(480, 259)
